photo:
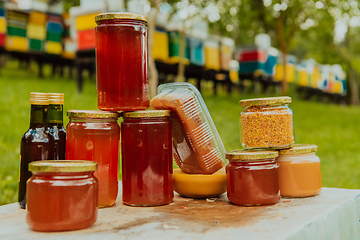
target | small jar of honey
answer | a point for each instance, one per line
(299, 171)
(252, 177)
(61, 195)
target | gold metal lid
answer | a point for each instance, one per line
(62, 166)
(147, 113)
(92, 114)
(56, 98)
(120, 15)
(39, 98)
(265, 101)
(244, 155)
(299, 149)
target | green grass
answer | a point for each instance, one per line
(333, 128)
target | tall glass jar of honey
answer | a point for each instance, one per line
(122, 62)
(146, 150)
(94, 135)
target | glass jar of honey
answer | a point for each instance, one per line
(146, 150)
(95, 135)
(61, 195)
(267, 123)
(252, 177)
(299, 171)
(122, 62)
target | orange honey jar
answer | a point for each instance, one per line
(61, 195)
(299, 171)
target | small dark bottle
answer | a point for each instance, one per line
(36, 143)
(55, 124)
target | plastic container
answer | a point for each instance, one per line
(299, 171)
(62, 195)
(197, 146)
(146, 158)
(267, 123)
(94, 135)
(252, 177)
(122, 62)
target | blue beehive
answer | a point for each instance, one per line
(269, 65)
(196, 51)
(251, 67)
(54, 27)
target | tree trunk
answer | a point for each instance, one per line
(153, 73)
(280, 30)
(353, 87)
(182, 48)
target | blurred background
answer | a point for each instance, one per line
(229, 49)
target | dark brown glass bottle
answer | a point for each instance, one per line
(55, 124)
(36, 143)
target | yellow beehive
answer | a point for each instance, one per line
(315, 78)
(160, 50)
(278, 75)
(85, 22)
(53, 47)
(337, 87)
(36, 31)
(234, 76)
(68, 55)
(303, 78)
(212, 58)
(2, 25)
(38, 18)
(16, 43)
(175, 60)
(290, 73)
(226, 57)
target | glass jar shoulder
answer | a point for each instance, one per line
(299, 158)
(93, 125)
(253, 165)
(63, 180)
(146, 121)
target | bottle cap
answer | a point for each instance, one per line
(56, 98)
(39, 98)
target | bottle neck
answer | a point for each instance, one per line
(55, 114)
(38, 116)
